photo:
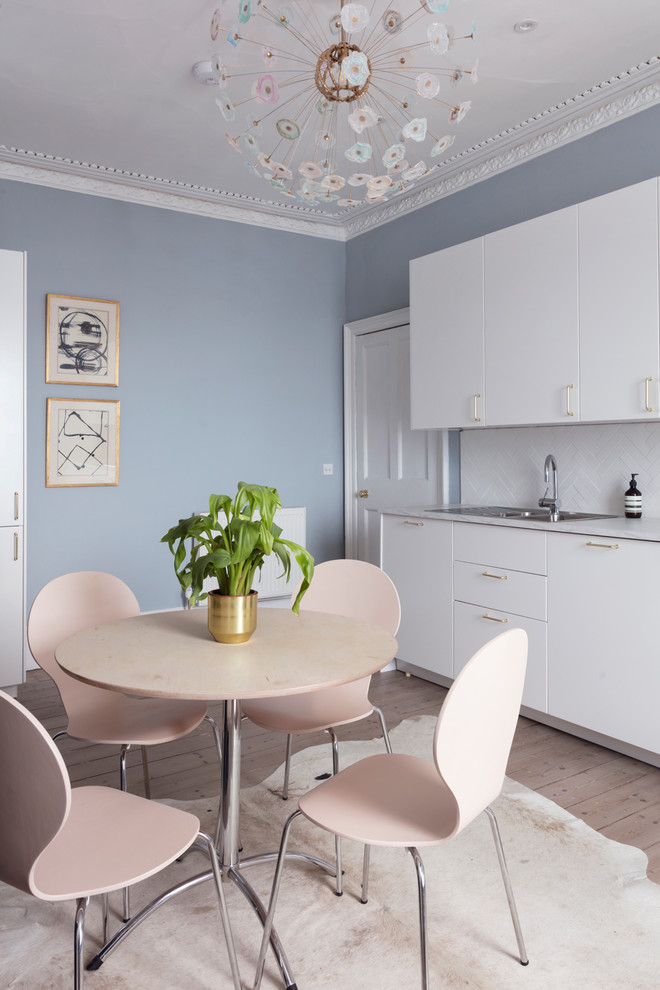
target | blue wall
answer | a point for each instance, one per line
(619, 155)
(230, 346)
(230, 368)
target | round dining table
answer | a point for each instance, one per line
(173, 655)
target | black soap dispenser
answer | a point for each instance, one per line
(633, 500)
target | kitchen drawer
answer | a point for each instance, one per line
(506, 590)
(501, 546)
(472, 630)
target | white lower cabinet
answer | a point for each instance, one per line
(11, 582)
(603, 636)
(499, 584)
(417, 555)
(589, 605)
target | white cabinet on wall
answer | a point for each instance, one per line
(531, 321)
(417, 555)
(619, 336)
(604, 669)
(554, 320)
(446, 338)
(12, 337)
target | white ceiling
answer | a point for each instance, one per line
(103, 89)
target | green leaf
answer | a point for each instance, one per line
(230, 544)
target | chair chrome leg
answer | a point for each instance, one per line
(365, 874)
(287, 767)
(78, 939)
(59, 734)
(122, 784)
(217, 876)
(104, 901)
(383, 726)
(218, 745)
(335, 770)
(145, 773)
(507, 885)
(421, 892)
(268, 924)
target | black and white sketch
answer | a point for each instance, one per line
(82, 341)
(82, 446)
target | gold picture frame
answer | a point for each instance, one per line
(82, 442)
(82, 341)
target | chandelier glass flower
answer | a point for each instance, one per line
(340, 108)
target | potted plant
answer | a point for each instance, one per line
(230, 544)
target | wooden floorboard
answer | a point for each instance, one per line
(614, 794)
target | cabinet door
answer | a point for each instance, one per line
(417, 555)
(11, 387)
(618, 284)
(604, 669)
(446, 338)
(475, 625)
(11, 583)
(531, 314)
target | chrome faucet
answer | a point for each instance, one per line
(552, 501)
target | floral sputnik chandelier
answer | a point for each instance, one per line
(338, 109)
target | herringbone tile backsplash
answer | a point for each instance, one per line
(505, 467)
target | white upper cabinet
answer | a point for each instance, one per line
(619, 337)
(11, 387)
(554, 320)
(446, 338)
(531, 321)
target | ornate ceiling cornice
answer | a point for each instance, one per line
(626, 94)
(555, 127)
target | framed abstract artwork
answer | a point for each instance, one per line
(82, 442)
(82, 341)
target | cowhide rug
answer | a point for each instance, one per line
(590, 916)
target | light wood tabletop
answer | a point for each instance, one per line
(173, 655)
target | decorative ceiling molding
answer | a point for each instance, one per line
(617, 98)
(96, 180)
(571, 120)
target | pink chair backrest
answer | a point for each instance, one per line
(477, 722)
(65, 606)
(36, 793)
(355, 589)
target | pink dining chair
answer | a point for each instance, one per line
(359, 590)
(76, 601)
(398, 800)
(59, 843)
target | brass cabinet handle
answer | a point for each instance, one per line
(15, 505)
(409, 522)
(568, 400)
(646, 394)
(364, 493)
(15, 546)
(492, 618)
(498, 577)
(477, 419)
(604, 546)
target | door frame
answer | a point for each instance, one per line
(353, 330)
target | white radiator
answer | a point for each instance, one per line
(269, 582)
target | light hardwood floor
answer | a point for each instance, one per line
(614, 794)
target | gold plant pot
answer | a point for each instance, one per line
(232, 618)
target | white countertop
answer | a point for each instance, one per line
(616, 527)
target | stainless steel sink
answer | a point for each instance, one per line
(505, 512)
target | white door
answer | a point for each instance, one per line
(392, 464)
